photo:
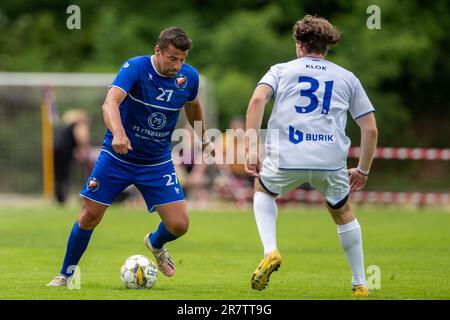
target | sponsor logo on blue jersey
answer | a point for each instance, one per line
(157, 120)
(296, 136)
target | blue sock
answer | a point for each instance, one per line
(161, 236)
(76, 245)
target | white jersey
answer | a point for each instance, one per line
(312, 97)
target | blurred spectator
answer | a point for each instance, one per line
(192, 172)
(71, 142)
(233, 180)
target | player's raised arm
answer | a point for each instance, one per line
(255, 112)
(121, 144)
(369, 137)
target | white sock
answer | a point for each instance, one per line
(266, 212)
(351, 241)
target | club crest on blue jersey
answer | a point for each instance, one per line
(157, 120)
(93, 184)
(181, 81)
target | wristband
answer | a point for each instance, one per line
(363, 172)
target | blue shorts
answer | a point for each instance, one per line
(158, 184)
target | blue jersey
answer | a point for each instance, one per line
(151, 108)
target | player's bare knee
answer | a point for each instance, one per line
(341, 215)
(88, 220)
(89, 217)
(86, 223)
(179, 228)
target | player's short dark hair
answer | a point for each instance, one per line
(315, 34)
(176, 37)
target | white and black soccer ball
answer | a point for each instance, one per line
(138, 272)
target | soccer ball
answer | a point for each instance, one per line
(138, 272)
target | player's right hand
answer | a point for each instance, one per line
(252, 164)
(121, 144)
(357, 181)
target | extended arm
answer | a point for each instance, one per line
(255, 112)
(111, 115)
(194, 113)
(369, 136)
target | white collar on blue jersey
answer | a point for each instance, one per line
(154, 67)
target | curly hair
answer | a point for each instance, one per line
(316, 34)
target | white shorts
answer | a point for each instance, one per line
(333, 185)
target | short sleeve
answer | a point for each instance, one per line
(193, 94)
(126, 77)
(360, 104)
(271, 78)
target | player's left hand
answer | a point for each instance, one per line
(252, 164)
(208, 150)
(356, 179)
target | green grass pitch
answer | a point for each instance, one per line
(216, 258)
